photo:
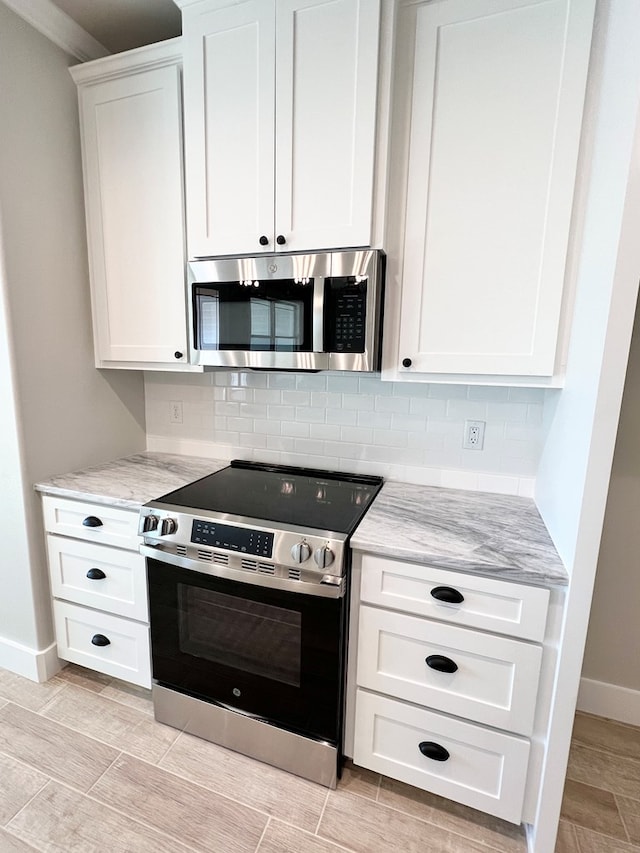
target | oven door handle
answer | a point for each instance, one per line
(331, 589)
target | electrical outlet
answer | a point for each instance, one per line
(175, 412)
(473, 435)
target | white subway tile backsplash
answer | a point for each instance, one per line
(309, 414)
(294, 428)
(402, 430)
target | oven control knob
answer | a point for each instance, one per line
(168, 526)
(149, 523)
(324, 557)
(301, 552)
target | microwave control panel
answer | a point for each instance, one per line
(346, 314)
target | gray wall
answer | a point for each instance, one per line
(613, 640)
(58, 412)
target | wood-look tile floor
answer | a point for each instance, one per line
(84, 768)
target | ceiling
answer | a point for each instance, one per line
(124, 24)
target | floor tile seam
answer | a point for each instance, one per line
(623, 821)
(27, 765)
(94, 694)
(21, 840)
(332, 841)
(51, 699)
(577, 826)
(604, 751)
(264, 832)
(142, 823)
(137, 820)
(430, 823)
(608, 720)
(30, 800)
(322, 811)
(209, 790)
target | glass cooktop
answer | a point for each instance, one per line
(322, 500)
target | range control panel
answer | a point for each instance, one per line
(243, 540)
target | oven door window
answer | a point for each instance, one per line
(249, 636)
(273, 654)
(272, 316)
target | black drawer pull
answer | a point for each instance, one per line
(448, 594)
(96, 575)
(91, 521)
(433, 750)
(441, 663)
(100, 640)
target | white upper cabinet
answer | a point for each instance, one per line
(131, 118)
(496, 93)
(280, 122)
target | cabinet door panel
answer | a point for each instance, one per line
(326, 86)
(229, 127)
(495, 127)
(133, 176)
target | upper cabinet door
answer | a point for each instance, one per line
(326, 87)
(280, 121)
(229, 126)
(132, 153)
(498, 93)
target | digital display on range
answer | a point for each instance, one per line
(240, 539)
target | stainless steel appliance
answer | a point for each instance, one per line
(318, 311)
(248, 570)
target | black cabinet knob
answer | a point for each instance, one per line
(178, 354)
(264, 241)
(441, 663)
(433, 750)
(406, 362)
(281, 239)
(100, 640)
(96, 575)
(91, 521)
(447, 594)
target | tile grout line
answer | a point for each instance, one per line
(264, 832)
(137, 821)
(23, 807)
(322, 811)
(621, 816)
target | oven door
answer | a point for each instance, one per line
(271, 654)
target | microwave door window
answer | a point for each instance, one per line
(274, 316)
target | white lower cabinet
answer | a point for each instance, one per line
(439, 703)
(100, 607)
(477, 766)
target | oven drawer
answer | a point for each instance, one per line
(92, 522)
(98, 576)
(484, 769)
(495, 679)
(125, 656)
(488, 604)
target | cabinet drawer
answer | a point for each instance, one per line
(116, 526)
(485, 769)
(495, 682)
(121, 590)
(492, 605)
(127, 656)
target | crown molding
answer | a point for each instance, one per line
(59, 28)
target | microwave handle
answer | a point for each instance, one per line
(318, 314)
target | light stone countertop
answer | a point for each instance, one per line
(499, 536)
(131, 481)
(484, 533)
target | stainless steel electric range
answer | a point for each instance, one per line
(248, 570)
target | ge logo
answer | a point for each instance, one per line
(236, 692)
(273, 267)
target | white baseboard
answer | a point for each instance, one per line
(609, 700)
(33, 664)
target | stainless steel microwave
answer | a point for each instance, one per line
(319, 311)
